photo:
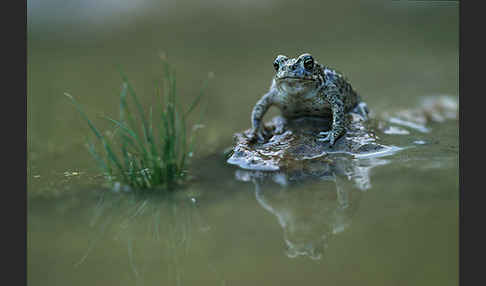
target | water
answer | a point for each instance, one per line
(391, 220)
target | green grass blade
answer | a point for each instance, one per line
(198, 98)
(128, 131)
(112, 156)
(98, 159)
(81, 111)
(125, 110)
(131, 91)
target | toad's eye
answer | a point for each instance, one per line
(309, 63)
(276, 65)
(279, 59)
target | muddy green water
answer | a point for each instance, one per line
(392, 221)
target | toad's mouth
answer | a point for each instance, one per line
(295, 78)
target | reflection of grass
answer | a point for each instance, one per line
(157, 229)
(144, 158)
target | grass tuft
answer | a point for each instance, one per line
(138, 156)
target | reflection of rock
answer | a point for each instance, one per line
(312, 215)
(299, 143)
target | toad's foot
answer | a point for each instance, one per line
(330, 136)
(279, 129)
(257, 136)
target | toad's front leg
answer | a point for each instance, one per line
(257, 114)
(338, 117)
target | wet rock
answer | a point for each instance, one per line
(290, 144)
(432, 109)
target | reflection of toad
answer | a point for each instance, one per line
(311, 213)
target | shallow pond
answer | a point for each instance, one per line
(390, 220)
